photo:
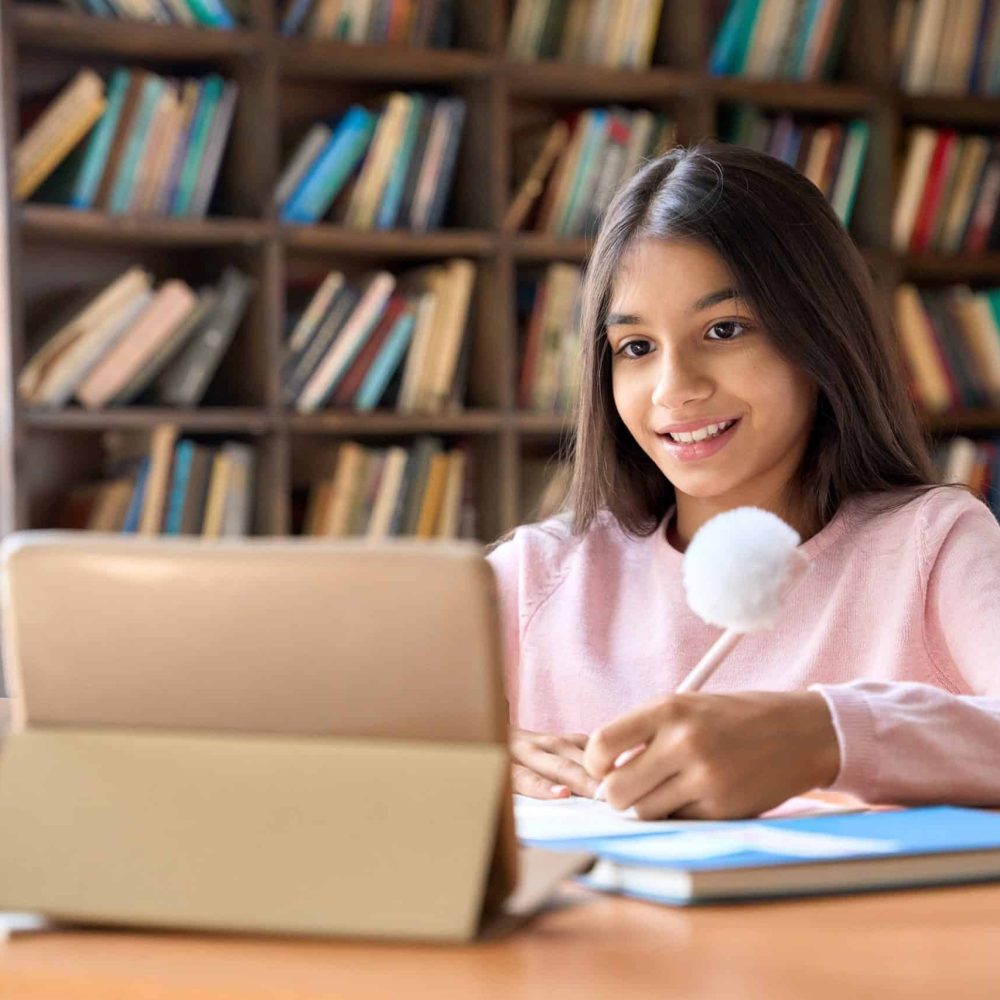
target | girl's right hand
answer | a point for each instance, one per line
(549, 767)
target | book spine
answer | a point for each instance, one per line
(200, 127)
(333, 166)
(212, 13)
(449, 157)
(295, 17)
(386, 363)
(99, 145)
(183, 457)
(389, 209)
(121, 193)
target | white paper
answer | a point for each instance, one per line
(577, 818)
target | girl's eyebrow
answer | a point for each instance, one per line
(705, 302)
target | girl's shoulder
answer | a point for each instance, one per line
(540, 555)
(924, 521)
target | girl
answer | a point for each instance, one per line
(735, 353)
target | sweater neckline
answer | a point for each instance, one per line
(811, 547)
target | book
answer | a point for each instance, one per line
(154, 502)
(765, 858)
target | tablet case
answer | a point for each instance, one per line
(274, 736)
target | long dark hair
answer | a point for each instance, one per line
(807, 284)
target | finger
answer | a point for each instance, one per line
(673, 797)
(639, 775)
(577, 739)
(527, 782)
(605, 745)
(563, 771)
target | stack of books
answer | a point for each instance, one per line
(137, 342)
(948, 46)
(951, 345)
(377, 170)
(145, 145)
(415, 23)
(193, 13)
(779, 39)
(373, 492)
(567, 172)
(550, 372)
(166, 485)
(975, 464)
(830, 154)
(398, 342)
(616, 33)
(948, 193)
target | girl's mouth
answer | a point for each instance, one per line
(689, 450)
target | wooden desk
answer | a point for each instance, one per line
(934, 943)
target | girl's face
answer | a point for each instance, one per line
(699, 384)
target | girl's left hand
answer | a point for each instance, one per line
(716, 756)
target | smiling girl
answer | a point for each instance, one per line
(736, 353)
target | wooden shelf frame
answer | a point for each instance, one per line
(285, 82)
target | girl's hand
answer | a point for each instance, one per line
(549, 767)
(716, 756)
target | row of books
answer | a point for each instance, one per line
(975, 464)
(830, 154)
(134, 341)
(948, 46)
(951, 345)
(617, 33)
(144, 145)
(566, 172)
(224, 14)
(415, 23)
(389, 169)
(163, 484)
(399, 341)
(779, 39)
(550, 370)
(422, 491)
(949, 193)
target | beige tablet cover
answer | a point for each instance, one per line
(274, 735)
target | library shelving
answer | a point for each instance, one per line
(46, 250)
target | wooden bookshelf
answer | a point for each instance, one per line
(284, 82)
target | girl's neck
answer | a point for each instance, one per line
(692, 512)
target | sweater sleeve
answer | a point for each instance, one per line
(907, 742)
(505, 560)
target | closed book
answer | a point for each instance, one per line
(211, 95)
(120, 195)
(332, 168)
(349, 470)
(319, 306)
(835, 853)
(348, 343)
(211, 13)
(531, 187)
(208, 171)
(215, 500)
(448, 524)
(358, 370)
(443, 181)
(126, 120)
(179, 479)
(920, 353)
(157, 150)
(305, 154)
(918, 71)
(404, 216)
(170, 171)
(387, 361)
(237, 511)
(208, 299)
(972, 162)
(196, 492)
(56, 361)
(134, 512)
(387, 496)
(920, 148)
(154, 503)
(451, 322)
(430, 508)
(296, 12)
(61, 126)
(388, 210)
(845, 188)
(98, 145)
(185, 381)
(111, 506)
(424, 450)
(171, 303)
(302, 367)
(930, 202)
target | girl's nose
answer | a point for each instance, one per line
(679, 382)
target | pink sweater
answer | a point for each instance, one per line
(897, 626)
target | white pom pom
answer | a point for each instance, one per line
(737, 567)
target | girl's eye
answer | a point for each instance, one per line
(634, 349)
(729, 329)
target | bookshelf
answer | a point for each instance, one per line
(285, 82)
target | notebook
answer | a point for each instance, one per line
(835, 853)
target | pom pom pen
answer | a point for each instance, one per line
(737, 571)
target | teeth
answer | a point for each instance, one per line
(712, 430)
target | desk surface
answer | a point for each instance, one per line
(927, 943)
